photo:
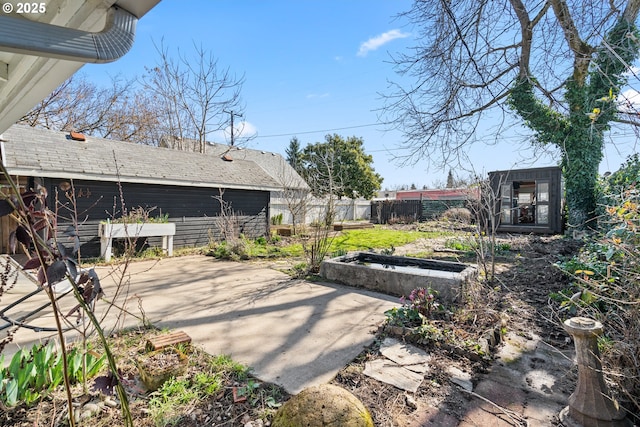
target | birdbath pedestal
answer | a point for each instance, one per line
(590, 404)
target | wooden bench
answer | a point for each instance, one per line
(165, 340)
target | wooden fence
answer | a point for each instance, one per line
(408, 211)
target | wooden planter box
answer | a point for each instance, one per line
(110, 231)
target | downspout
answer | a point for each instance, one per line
(22, 36)
(2, 152)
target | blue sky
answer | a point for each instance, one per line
(311, 67)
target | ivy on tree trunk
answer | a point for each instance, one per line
(590, 97)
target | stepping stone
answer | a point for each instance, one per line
(390, 372)
(460, 378)
(406, 355)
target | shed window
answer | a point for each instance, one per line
(543, 214)
(505, 204)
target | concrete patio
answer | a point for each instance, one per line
(291, 332)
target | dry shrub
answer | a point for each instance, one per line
(462, 215)
(606, 274)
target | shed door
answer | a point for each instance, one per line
(542, 202)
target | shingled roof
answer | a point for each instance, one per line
(29, 151)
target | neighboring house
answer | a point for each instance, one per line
(183, 185)
(529, 200)
(435, 194)
(385, 195)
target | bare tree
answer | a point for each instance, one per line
(117, 111)
(295, 197)
(326, 182)
(192, 95)
(560, 65)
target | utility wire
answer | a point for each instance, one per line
(317, 131)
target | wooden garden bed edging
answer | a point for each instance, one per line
(165, 340)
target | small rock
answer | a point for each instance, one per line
(91, 407)
(411, 402)
(112, 403)
(460, 378)
(86, 414)
(485, 346)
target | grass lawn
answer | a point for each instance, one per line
(379, 238)
(346, 241)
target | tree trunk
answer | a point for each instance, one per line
(580, 161)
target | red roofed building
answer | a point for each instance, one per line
(443, 194)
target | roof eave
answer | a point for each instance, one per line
(16, 171)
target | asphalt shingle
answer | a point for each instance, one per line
(39, 152)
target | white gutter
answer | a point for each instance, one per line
(40, 39)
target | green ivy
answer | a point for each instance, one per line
(579, 134)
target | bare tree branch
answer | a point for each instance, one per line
(192, 95)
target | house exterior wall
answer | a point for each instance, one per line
(194, 210)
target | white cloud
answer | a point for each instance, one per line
(241, 129)
(318, 95)
(378, 41)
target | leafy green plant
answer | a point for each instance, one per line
(403, 316)
(139, 215)
(32, 373)
(299, 270)
(171, 402)
(416, 310)
(424, 301)
(277, 219)
(166, 402)
(459, 245)
(249, 389)
(338, 253)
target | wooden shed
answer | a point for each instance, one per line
(186, 186)
(529, 200)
